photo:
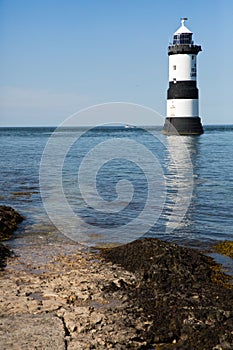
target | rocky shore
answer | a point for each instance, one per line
(147, 294)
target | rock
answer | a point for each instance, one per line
(96, 318)
(4, 253)
(29, 332)
(50, 305)
(9, 219)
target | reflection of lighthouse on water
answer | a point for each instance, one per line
(179, 181)
(177, 218)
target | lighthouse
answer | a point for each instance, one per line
(182, 94)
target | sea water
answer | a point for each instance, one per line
(196, 216)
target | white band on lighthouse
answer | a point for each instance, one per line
(182, 67)
(182, 108)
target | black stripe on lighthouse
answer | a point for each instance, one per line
(182, 89)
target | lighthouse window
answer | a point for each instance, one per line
(175, 39)
(192, 57)
(183, 38)
(174, 67)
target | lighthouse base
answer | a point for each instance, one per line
(182, 126)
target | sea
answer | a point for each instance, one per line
(113, 184)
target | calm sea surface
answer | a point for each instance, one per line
(200, 214)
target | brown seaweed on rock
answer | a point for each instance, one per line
(175, 289)
(224, 247)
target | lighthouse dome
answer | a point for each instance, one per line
(183, 35)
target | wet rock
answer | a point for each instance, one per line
(9, 219)
(4, 254)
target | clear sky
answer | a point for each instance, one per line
(58, 56)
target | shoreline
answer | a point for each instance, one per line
(148, 294)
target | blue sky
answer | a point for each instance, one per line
(60, 56)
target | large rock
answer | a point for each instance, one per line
(9, 220)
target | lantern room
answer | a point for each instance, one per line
(183, 36)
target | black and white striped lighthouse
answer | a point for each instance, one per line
(182, 95)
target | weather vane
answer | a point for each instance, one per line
(183, 19)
